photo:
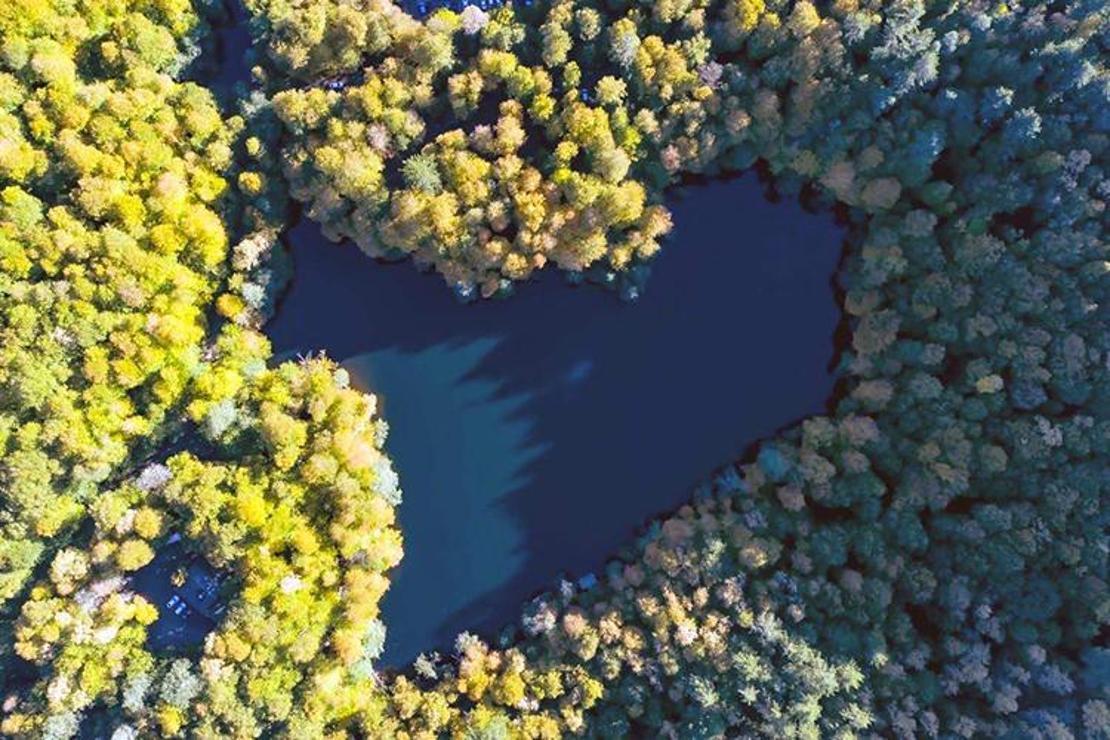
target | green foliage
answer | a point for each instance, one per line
(115, 221)
(477, 203)
(940, 529)
(303, 521)
(926, 560)
(310, 39)
(112, 246)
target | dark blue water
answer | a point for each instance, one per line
(171, 632)
(534, 435)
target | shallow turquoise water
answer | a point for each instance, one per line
(534, 435)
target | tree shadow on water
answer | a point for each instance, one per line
(534, 435)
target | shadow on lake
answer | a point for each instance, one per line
(534, 435)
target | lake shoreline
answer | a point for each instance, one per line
(537, 356)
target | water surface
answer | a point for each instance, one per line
(534, 435)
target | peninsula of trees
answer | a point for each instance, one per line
(927, 559)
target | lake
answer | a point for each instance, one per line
(534, 435)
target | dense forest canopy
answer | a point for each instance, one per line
(926, 560)
(113, 247)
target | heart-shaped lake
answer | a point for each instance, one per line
(534, 435)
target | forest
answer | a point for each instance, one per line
(926, 559)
